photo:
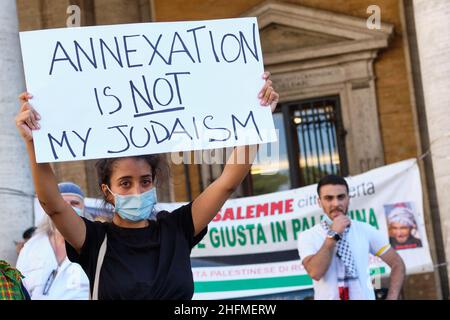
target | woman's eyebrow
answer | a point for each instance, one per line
(124, 177)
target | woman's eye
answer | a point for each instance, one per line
(146, 182)
(125, 184)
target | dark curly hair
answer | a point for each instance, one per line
(331, 179)
(158, 164)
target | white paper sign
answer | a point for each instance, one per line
(122, 90)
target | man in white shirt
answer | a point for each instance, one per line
(335, 252)
(48, 273)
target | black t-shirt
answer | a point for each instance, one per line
(143, 263)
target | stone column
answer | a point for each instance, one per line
(432, 19)
(16, 186)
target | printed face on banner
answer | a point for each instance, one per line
(402, 226)
(123, 90)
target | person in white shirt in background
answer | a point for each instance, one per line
(49, 275)
(335, 252)
(26, 235)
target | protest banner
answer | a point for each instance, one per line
(251, 245)
(266, 228)
(123, 90)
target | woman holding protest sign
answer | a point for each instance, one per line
(136, 256)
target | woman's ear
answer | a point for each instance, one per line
(105, 190)
(107, 194)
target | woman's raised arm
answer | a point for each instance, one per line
(68, 223)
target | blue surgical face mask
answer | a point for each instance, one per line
(135, 207)
(78, 211)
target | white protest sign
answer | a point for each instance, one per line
(122, 90)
